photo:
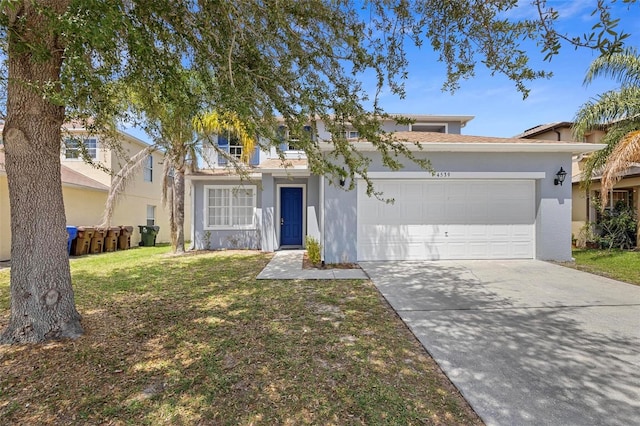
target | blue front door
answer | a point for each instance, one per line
(291, 216)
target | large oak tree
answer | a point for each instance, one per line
(292, 58)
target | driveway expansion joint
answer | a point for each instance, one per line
(513, 308)
(567, 355)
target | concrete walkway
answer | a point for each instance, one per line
(287, 265)
(525, 342)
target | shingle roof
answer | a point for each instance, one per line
(541, 128)
(69, 177)
(432, 137)
(277, 163)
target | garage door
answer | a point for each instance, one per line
(447, 219)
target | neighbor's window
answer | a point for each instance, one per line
(73, 148)
(230, 207)
(148, 169)
(618, 198)
(151, 215)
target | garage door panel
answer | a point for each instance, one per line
(438, 219)
(522, 249)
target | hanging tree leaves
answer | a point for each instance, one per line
(70, 59)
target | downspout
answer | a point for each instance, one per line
(557, 133)
(193, 216)
(322, 242)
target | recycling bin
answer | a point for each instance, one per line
(148, 235)
(111, 239)
(124, 240)
(72, 233)
(81, 244)
(97, 241)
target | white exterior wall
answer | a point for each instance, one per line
(552, 203)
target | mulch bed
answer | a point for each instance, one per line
(306, 264)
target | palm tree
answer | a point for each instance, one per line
(215, 122)
(179, 135)
(619, 111)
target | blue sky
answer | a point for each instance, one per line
(498, 107)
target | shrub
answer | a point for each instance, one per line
(615, 227)
(618, 227)
(313, 250)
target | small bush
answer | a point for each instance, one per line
(313, 250)
(618, 228)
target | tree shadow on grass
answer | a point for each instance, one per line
(199, 341)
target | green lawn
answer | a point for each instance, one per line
(620, 265)
(197, 340)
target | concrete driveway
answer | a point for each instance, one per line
(526, 342)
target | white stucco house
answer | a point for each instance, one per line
(488, 198)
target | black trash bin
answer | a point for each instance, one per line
(148, 235)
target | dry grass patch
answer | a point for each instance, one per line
(197, 340)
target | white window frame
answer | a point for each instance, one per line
(351, 134)
(231, 189)
(147, 173)
(235, 149)
(445, 125)
(292, 140)
(151, 218)
(92, 152)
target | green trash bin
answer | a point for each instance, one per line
(148, 235)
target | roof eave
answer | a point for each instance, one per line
(85, 187)
(573, 148)
(288, 171)
(228, 176)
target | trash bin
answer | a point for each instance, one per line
(111, 239)
(72, 233)
(81, 244)
(148, 235)
(124, 240)
(97, 242)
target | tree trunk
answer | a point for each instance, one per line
(42, 301)
(178, 209)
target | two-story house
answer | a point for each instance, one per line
(85, 186)
(626, 191)
(485, 198)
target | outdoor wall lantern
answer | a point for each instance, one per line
(343, 179)
(560, 177)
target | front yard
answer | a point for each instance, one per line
(197, 340)
(616, 264)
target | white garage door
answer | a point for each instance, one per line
(447, 219)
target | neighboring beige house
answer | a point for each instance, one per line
(627, 190)
(85, 188)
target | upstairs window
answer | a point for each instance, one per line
(429, 127)
(148, 169)
(231, 145)
(292, 139)
(351, 134)
(74, 148)
(235, 148)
